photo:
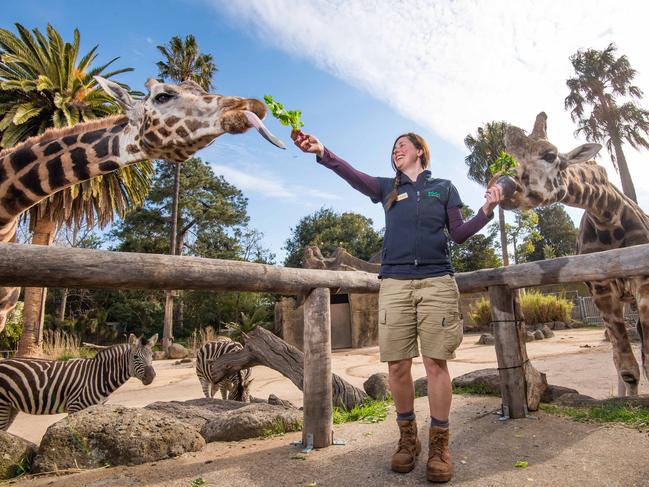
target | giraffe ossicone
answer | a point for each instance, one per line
(172, 122)
(611, 220)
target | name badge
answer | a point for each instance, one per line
(402, 196)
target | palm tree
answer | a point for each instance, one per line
(485, 148)
(601, 79)
(43, 85)
(183, 61)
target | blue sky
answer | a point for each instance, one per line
(362, 72)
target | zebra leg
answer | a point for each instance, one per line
(206, 388)
(7, 415)
(224, 391)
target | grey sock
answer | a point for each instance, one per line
(409, 416)
(434, 422)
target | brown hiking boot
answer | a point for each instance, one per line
(439, 467)
(404, 458)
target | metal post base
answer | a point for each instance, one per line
(309, 442)
(504, 413)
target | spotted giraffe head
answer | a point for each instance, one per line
(541, 173)
(174, 121)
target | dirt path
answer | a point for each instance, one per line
(559, 451)
(589, 370)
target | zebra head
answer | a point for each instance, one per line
(140, 357)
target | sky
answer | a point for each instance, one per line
(363, 72)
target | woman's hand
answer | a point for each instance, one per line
(307, 143)
(493, 196)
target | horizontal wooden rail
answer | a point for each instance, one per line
(39, 266)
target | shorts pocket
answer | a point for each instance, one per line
(453, 331)
(383, 317)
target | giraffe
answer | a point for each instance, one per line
(172, 122)
(611, 220)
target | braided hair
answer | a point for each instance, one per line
(420, 144)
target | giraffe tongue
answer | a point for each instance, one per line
(508, 185)
(265, 133)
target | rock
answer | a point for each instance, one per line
(159, 355)
(575, 400)
(176, 351)
(486, 339)
(183, 361)
(15, 455)
(276, 401)
(547, 332)
(538, 335)
(549, 324)
(113, 435)
(377, 386)
(250, 421)
(529, 336)
(483, 381)
(421, 387)
(559, 325)
(552, 393)
(195, 412)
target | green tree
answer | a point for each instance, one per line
(485, 148)
(557, 231)
(43, 84)
(601, 101)
(474, 254)
(523, 234)
(183, 61)
(329, 230)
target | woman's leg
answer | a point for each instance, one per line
(439, 388)
(401, 385)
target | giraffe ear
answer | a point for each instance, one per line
(121, 95)
(582, 153)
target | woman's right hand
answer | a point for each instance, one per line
(307, 143)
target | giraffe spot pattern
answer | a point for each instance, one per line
(70, 139)
(115, 147)
(52, 148)
(92, 137)
(32, 182)
(80, 163)
(22, 158)
(108, 166)
(171, 121)
(56, 174)
(16, 200)
(182, 132)
(101, 148)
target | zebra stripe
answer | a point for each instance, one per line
(235, 387)
(38, 386)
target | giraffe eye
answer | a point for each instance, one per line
(549, 157)
(163, 98)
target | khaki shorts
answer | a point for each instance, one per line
(424, 308)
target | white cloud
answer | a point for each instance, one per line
(452, 66)
(249, 182)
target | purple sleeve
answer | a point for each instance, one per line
(366, 184)
(461, 230)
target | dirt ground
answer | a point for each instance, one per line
(559, 451)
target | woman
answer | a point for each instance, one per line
(418, 296)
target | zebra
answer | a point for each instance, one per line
(38, 386)
(236, 386)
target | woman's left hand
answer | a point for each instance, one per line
(493, 196)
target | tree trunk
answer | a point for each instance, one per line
(167, 332)
(31, 341)
(503, 235)
(628, 187)
(264, 348)
(63, 304)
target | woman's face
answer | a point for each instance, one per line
(405, 155)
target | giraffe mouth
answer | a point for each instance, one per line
(256, 122)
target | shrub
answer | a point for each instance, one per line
(536, 307)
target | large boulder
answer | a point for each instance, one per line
(486, 339)
(15, 455)
(547, 332)
(538, 334)
(176, 351)
(195, 412)
(421, 387)
(377, 386)
(113, 435)
(483, 381)
(251, 421)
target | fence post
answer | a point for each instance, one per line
(508, 352)
(318, 403)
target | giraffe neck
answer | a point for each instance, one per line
(589, 188)
(44, 165)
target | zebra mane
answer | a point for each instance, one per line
(106, 352)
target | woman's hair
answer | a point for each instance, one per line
(420, 144)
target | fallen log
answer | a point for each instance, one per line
(263, 348)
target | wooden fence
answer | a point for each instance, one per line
(38, 266)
